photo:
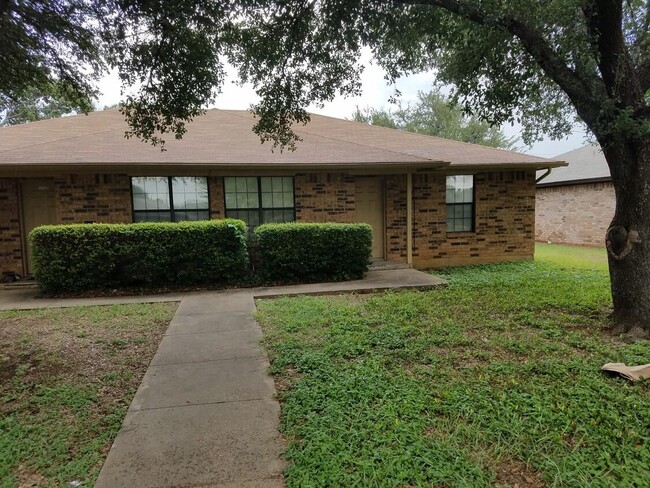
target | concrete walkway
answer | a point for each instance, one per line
(205, 414)
(25, 297)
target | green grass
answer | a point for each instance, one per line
(67, 378)
(494, 380)
(576, 257)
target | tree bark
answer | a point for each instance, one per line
(628, 237)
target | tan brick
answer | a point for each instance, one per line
(324, 197)
(10, 238)
(575, 214)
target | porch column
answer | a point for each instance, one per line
(409, 219)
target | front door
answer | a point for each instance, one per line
(38, 209)
(369, 202)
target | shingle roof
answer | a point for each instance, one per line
(224, 138)
(586, 164)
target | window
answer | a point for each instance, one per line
(170, 199)
(460, 203)
(259, 199)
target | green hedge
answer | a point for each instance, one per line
(72, 258)
(313, 252)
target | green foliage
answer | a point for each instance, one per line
(297, 252)
(462, 386)
(537, 63)
(436, 115)
(50, 56)
(34, 105)
(69, 258)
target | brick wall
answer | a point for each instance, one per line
(77, 199)
(324, 197)
(504, 226)
(93, 198)
(575, 214)
(217, 204)
(505, 213)
(10, 244)
(395, 217)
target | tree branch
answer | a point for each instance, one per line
(582, 93)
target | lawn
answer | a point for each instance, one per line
(67, 378)
(572, 257)
(492, 381)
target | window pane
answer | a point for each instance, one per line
(231, 200)
(277, 216)
(468, 194)
(287, 184)
(190, 192)
(277, 184)
(242, 200)
(152, 216)
(266, 184)
(451, 195)
(191, 215)
(240, 184)
(241, 192)
(251, 217)
(139, 201)
(152, 193)
(460, 189)
(229, 185)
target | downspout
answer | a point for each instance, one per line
(548, 172)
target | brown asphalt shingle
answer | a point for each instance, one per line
(224, 138)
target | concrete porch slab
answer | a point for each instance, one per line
(374, 281)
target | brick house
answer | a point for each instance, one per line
(576, 204)
(430, 201)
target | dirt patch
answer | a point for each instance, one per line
(515, 474)
(26, 478)
(94, 359)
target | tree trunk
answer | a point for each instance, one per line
(628, 237)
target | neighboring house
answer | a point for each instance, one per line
(576, 204)
(430, 201)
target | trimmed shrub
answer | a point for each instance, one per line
(72, 258)
(298, 252)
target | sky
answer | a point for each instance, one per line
(375, 93)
